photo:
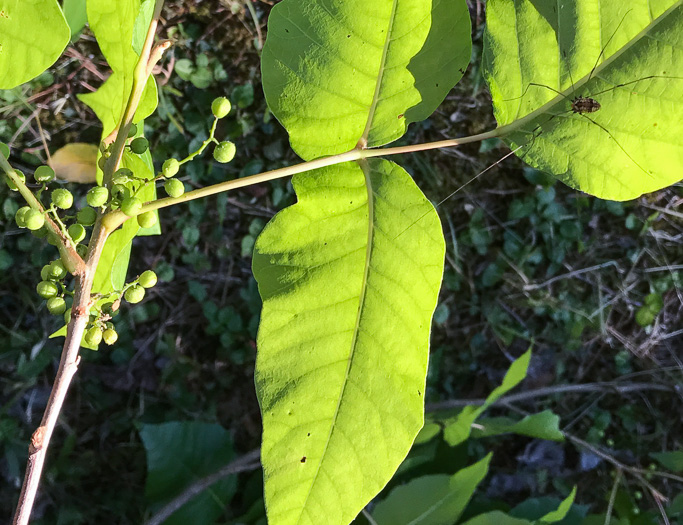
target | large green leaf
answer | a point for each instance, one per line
(431, 500)
(634, 143)
(114, 25)
(338, 74)
(349, 281)
(33, 34)
(179, 453)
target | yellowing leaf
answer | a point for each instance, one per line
(76, 162)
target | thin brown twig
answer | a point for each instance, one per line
(245, 463)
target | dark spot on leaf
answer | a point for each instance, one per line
(401, 115)
(419, 393)
(462, 71)
(286, 30)
(348, 36)
(309, 434)
(655, 124)
(437, 85)
(303, 459)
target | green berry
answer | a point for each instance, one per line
(132, 131)
(57, 269)
(4, 149)
(134, 294)
(131, 206)
(47, 289)
(86, 216)
(170, 168)
(110, 336)
(34, 219)
(97, 196)
(101, 162)
(44, 174)
(220, 107)
(45, 273)
(93, 336)
(20, 216)
(10, 182)
(81, 249)
(62, 198)
(147, 219)
(76, 232)
(139, 145)
(174, 188)
(67, 316)
(148, 279)
(224, 152)
(56, 306)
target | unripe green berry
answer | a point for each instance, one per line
(76, 232)
(44, 174)
(139, 145)
(174, 188)
(34, 219)
(101, 162)
(224, 152)
(10, 182)
(93, 336)
(131, 206)
(56, 306)
(147, 219)
(148, 279)
(81, 250)
(134, 294)
(20, 216)
(220, 107)
(119, 191)
(86, 216)
(57, 269)
(46, 273)
(170, 168)
(97, 196)
(132, 131)
(47, 289)
(110, 336)
(62, 198)
(67, 316)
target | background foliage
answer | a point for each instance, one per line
(595, 284)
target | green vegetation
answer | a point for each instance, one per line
(550, 338)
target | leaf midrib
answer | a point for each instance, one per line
(364, 165)
(363, 141)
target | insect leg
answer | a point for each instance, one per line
(631, 82)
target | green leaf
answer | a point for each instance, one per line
(496, 518)
(458, 429)
(431, 500)
(349, 282)
(33, 34)
(544, 425)
(113, 265)
(179, 453)
(113, 22)
(562, 510)
(338, 74)
(141, 26)
(640, 148)
(76, 16)
(671, 460)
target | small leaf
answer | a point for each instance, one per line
(431, 500)
(671, 460)
(179, 453)
(544, 425)
(76, 162)
(562, 510)
(33, 35)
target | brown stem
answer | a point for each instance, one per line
(85, 274)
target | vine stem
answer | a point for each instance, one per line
(84, 274)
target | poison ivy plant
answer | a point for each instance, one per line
(26, 47)
(627, 56)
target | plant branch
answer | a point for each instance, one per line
(72, 260)
(82, 303)
(246, 463)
